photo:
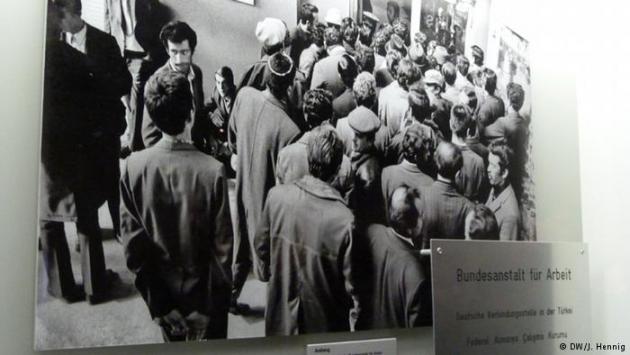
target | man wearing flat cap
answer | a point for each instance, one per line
(259, 127)
(271, 34)
(368, 25)
(365, 199)
(434, 84)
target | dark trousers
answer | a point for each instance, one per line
(56, 255)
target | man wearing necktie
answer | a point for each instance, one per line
(83, 122)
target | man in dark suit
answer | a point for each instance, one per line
(492, 106)
(445, 209)
(471, 179)
(176, 221)
(83, 120)
(345, 103)
(396, 291)
(502, 199)
(180, 42)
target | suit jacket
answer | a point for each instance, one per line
(304, 244)
(176, 227)
(256, 76)
(365, 198)
(490, 110)
(201, 125)
(505, 208)
(259, 127)
(83, 119)
(395, 290)
(471, 179)
(392, 107)
(344, 104)
(445, 212)
(325, 72)
(293, 165)
(300, 40)
(406, 173)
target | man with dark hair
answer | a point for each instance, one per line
(292, 159)
(259, 127)
(311, 55)
(385, 74)
(219, 109)
(271, 33)
(396, 292)
(300, 36)
(415, 154)
(451, 93)
(348, 71)
(481, 224)
(478, 57)
(178, 236)
(392, 100)
(84, 117)
(471, 180)
(434, 85)
(369, 23)
(325, 74)
(349, 34)
(492, 106)
(304, 245)
(462, 65)
(445, 209)
(365, 58)
(180, 42)
(502, 200)
(515, 129)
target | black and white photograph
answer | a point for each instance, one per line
(234, 169)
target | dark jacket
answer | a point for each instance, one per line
(83, 119)
(176, 227)
(445, 212)
(396, 293)
(201, 126)
(304, 244)
(406, 173)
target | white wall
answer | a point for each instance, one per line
(604, 125)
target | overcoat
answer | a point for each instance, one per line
(304, 244)
(176, 228)
(505, 209)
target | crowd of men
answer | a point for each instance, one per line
(351, 145)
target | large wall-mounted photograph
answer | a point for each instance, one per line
(222, 170)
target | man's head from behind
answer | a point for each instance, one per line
(66, 14)
(348, 69)
(306, 16)
(407, 73)
(405, 211)
(516, 96)
(415, 145)
(317, 107)
(364, 89)
(448, 158)
(282, 73)
(180, 41)
(481, 224)
(419, 102)
(168, 100)
(460, 120)
(324, 152)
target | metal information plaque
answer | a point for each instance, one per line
(509, 297)
(360, 347)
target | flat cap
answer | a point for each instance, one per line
(363, 120)
(270, 31)
(370, 17)
(433, 76)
